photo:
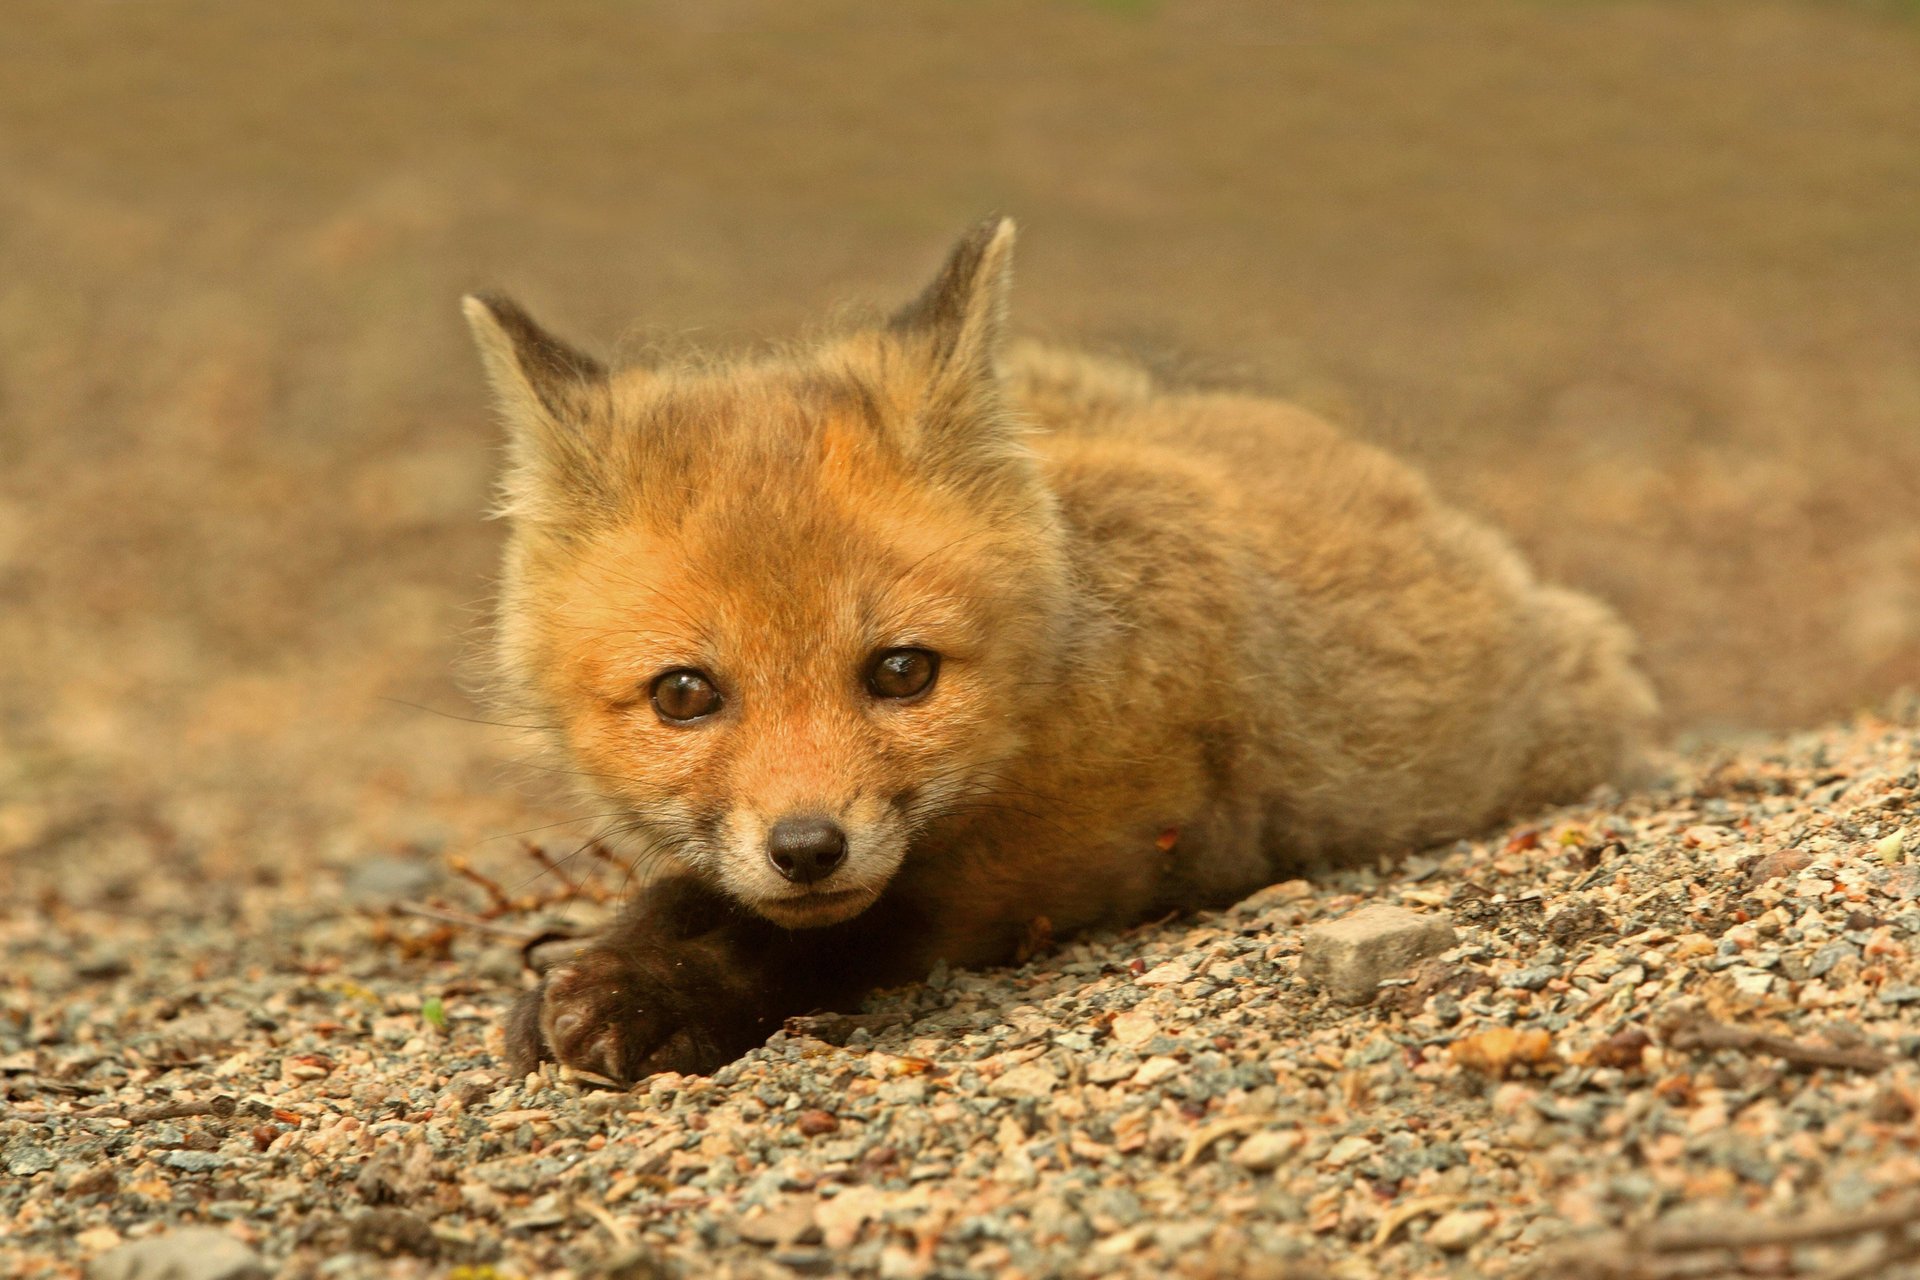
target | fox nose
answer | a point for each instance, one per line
(806, 849)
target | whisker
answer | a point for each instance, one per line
(451, 715)
(550, 826)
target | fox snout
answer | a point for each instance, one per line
(806, 848)
(809, 864)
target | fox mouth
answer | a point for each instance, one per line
(815, 907)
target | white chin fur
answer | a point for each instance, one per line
(813, 912)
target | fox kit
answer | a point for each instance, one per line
(890, 646)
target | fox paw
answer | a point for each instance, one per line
(601, 1013)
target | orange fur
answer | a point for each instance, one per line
(1155, 610)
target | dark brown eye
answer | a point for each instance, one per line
(902, 673)
(685, 695)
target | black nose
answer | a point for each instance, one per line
(806, 849)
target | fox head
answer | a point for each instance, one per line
(782, 615)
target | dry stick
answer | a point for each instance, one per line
(1199, 1144)
(1640, 1253)
(1703, 1034)
(221, 1106)
(622, 1238)
(456, 918)
(593, 883)
(502, 902)
(1687, 1238)
(547, 863)
(1594, 1266)
(1403, 1214)
(1908, 1250)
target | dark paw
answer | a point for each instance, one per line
(601, 1013)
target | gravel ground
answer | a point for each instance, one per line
(1684, 1017)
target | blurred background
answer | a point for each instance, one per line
(1640, 282)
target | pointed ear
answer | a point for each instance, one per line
(963, 312)
(553, 399)
(531, 370)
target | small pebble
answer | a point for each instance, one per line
(1459, 1231)
(185, 1253)
(1350, 957)
(1268, 1150)
(814, 1123)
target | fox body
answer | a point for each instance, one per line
(887, 647)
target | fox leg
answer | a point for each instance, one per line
(685, 981)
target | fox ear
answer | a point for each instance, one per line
(551, 396)
(532, 371)
(963, 312)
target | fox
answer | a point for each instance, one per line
(888, 647)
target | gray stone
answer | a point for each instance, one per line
(1351, 956)
(195, 1161)
(190, 1253)
(1533, 979)
(25, 1159)
(1827, 957)
(386, 878)
(517, 1173)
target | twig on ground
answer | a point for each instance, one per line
(1677, 1249)
(552, 867)
(622, 1238)
(1742, 1234)
(461, 919)
(1402, 1215)
(1202, 1141)
(1703, 1033)
(220, 1106)
(502, 901)
(1903, 1249)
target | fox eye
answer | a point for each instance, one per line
(685, 695)
(902, 673)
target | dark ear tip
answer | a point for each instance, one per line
(487, 304)
(539, 354)
(974, 273)
(489, 314)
